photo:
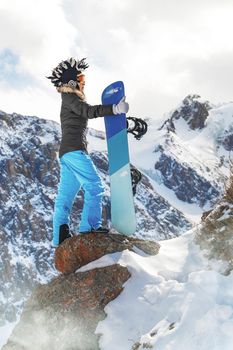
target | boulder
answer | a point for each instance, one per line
(64, 313)
(79, 250)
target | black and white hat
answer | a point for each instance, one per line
(66, 72)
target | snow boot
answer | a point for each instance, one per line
(100, 230)
(64, 233)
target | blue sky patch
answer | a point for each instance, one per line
(9, 72)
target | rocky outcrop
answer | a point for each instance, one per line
(186, 183)
(192, 110)
(82, 249)
(28, 179)
(178, 169)
(226, 140)
(215, 233)
(64, 313)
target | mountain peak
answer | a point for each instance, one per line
(193, 110)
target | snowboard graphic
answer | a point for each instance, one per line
(122, 205)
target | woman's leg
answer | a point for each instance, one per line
(67, 190)
(85, 172)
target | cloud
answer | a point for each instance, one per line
(38, 35)
(152, 46)
(213, 77)
(36, 31)
(161, 49)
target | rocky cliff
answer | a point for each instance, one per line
(189, 152)
(64, 313)
(214, 235)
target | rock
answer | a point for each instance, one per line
(186, 183)
(226, 140)
(148, 247)
(214, 236)
(64, 313)
(192, 110)
(205, 214)
(84, 248)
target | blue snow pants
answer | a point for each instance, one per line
(78, 171)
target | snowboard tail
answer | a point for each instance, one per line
(122, 205)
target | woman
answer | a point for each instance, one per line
(76, 167)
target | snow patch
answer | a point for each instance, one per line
(172, 301)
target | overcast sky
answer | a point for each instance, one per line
(161, 49)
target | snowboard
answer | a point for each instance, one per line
(122, 204)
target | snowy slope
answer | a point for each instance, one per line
(203, 155)
(174, 300)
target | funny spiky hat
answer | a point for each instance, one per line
(66, 72)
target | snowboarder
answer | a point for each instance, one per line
(76, 167)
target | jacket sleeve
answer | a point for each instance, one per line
(89, 112)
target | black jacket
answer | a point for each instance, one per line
(74, 117)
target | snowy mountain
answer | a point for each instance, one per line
(26, 197)
(188, 155)
(28, 184)
(185, 163)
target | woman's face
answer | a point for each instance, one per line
(81, 82)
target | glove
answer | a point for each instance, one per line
(121, 107)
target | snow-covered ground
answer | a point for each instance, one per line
(5, 332)
(174, 300)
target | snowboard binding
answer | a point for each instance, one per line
(135, 178)
(138, 127)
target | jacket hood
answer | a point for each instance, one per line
(69, 90)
